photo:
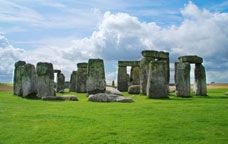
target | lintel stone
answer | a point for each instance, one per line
(57, 71)
(128, 63)
(155, 54)
(191, 59)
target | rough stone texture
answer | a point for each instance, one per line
(29, 81)
(17, 80)
(96, 76)
(157, 80)
(155, 54)
(113, 83)
(81, 77)
(191, 59)
(134, 89)
(104, 97)
(45, 79)
(144, 71)
(122, 79)
(200, 80)
(60, 98)
(60, 82)
(128, 63)
(134, 76)
(73, 79)
(111, 90)
(182, 79)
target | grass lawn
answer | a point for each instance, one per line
(176, 120)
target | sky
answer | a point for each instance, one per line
(66, 32)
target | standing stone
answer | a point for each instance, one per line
(29, 81)
(45, 80)
(113, 83)
(17, 85)
(182, 79)
(148, 56)
(122, 79)
(144, 71)
(200, 80)
(96, 76)
(134, 76)
(73, 81)
(157, 80)
(81, 77)
(60, 82)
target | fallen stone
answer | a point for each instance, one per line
(60, 98)
(111, 90)
(104, 97)
(134, 89)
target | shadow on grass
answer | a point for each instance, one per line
(212, 97)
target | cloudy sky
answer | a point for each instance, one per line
(66, 32)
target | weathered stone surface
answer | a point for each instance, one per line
(60, 98)
(182, 79)
(60, 82)
(113, 83)
(157, 80)
(200, 80)
(128, 63)
(134, 89)
(134, 76)
(73, 79)
(104, 97)
(96, 76)
(45, 79)
(155, 54)
(29, 81)
(82, 65)
(81, 77)
(17, 85)
(122, 79)
(44, 69)
(111, 90)
(190, 59)
(151, 55)
(144, 71)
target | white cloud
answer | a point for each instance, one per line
(8, 56)
(121, 36)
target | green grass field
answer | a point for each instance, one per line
(176, 120)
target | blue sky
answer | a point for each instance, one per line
(65, 32)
